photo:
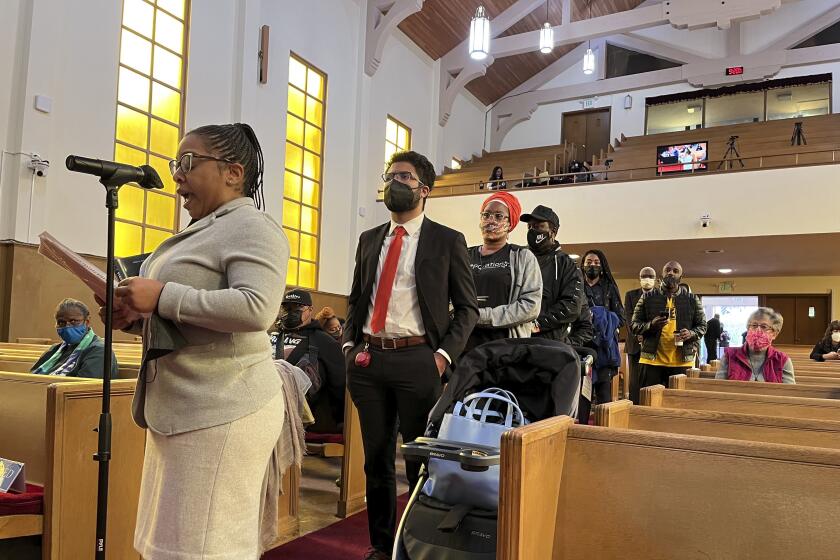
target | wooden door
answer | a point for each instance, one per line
(811, 319)
(786, 305)
(805, 317)
(597, 133)
(589, 131)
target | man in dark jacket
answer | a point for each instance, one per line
(306, 345)
(562, 284)
(671, 322)
(632, 346)
(712, 337)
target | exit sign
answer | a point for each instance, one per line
(734, 70)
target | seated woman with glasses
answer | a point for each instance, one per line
(757, 360)
(82, 354)
(508, 280)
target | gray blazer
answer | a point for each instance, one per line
(224, 279)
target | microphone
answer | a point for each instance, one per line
(116, 173)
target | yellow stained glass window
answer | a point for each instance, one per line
(166, 103)
(128, 239)
(397, 138)
(136, 52)
(153, 238)
(305, 114)
(150, 104)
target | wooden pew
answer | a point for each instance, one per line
(351, 496)
(565, 495)
(763, 405)
(754, 388)
(53, 420)
(749, 427)
(807, 378)
(23, 366)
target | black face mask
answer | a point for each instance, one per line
(593, 272)
(292, 319)
(400, 197)
(670, 282)
(539, 240)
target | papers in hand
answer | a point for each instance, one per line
(72, 262)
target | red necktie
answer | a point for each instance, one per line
(386, 282)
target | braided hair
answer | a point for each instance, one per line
(238, 143)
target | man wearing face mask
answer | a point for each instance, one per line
(82, 353)
(562, 285)
(399, 338)
(632, 346)
(306, 345)
(672, 322)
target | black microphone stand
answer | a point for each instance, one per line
(112, 184)
(112, 175)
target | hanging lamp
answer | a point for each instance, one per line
(589, 57)
(479, 35)
(546, 34)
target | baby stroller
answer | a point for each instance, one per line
(533, 378)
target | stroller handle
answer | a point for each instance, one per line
(472, 457)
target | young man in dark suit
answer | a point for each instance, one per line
(633, 344)
(399, 337)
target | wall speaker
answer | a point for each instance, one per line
(263, 54)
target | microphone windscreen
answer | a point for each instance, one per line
(151, 179)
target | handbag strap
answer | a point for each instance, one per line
(513, 411)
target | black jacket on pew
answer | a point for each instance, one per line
(823, 347)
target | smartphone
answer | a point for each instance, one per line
(663, 314)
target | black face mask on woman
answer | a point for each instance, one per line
(593, 272)
(399, 197)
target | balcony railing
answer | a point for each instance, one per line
(605, 174)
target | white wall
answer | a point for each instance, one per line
(71, 56)
(760, 33)
(741, 204)
(463, 134)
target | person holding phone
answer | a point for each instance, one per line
(671, 322)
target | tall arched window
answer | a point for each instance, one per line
(150, 109)
(304, 162)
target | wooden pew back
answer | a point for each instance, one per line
(71, 487)
(763, 405)
(688, 497)
(23, 414)
(770, 429)
(754, 388)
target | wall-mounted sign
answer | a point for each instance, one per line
(734, 70)
(812, 312)
(726, 288)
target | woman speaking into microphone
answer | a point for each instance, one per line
(213, 408)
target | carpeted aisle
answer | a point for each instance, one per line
(344, 540)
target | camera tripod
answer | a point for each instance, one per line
(798, 137)
(731, 154)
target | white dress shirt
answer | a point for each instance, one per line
(403, 318)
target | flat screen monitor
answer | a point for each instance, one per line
(682, 158)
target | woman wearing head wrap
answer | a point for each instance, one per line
(507, 277)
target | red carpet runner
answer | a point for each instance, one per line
(344, 540)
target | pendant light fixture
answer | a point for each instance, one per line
(589, 57)
(546, 34)
(480, 35)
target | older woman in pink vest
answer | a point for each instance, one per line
(757, 360)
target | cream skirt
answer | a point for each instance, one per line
(201, 490)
